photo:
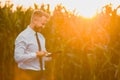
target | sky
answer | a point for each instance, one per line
(85, 8)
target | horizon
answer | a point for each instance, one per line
(86, 8)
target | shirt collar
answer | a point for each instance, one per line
(31, 30)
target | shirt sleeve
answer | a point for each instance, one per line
(20, 55)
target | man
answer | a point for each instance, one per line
(30, 52)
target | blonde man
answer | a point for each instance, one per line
(30, 47)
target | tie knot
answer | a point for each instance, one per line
(36, 33)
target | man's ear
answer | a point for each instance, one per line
(34, 19)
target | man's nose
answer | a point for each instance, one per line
(43, 24)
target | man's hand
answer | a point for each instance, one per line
(40, 53)
(48, 54)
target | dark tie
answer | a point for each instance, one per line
(39, 47)
(42, 75)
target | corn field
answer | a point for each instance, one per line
(89, 48)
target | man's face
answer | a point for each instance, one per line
(40, 23)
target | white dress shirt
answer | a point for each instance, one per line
(25, 50)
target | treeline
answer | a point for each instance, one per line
(88, 48)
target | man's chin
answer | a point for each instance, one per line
(39, 29)
(43, 27)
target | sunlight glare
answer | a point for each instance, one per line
(118, 12)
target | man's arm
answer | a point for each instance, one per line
(20, 54)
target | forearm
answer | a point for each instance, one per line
(23, 57)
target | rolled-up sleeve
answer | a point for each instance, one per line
(20, 54)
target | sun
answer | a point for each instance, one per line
(85, 8)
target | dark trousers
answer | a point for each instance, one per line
(31, 75)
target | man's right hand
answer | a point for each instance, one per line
(40, 53)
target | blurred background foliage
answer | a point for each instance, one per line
(89, 48)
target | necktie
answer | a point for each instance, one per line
(39, 47)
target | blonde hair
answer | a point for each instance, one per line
(39, 13)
